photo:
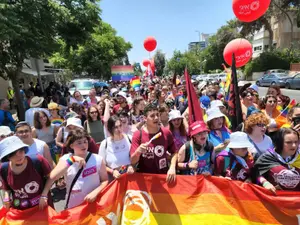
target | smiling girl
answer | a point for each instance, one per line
(93, 173)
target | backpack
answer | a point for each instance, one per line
(208, 148)
(227, 160)
(5, 121)
(36, 164)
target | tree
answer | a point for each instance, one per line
(96, 56)
(30, 28)
(160, 62)
(137, 69)
(213, 54)
(188, 59)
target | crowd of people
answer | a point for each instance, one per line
(82, 143)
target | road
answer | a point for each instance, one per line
(293, 94)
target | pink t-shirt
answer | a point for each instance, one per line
(154, 160)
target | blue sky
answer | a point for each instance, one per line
(172, 23)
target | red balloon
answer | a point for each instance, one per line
(242, 49)
(146, 62)
(150, 44)
(250, 10)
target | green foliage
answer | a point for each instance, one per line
(32, 28)
(272, 60)
(160, 62)
(187, 59)
(213, 54)
(96, 55)
(137, 69)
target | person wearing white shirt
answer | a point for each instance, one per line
(35, 105)
(115, 150)
(91, 180)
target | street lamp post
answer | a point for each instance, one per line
(204, 61)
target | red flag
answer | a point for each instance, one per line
(195, 111)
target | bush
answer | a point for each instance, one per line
(272, 60)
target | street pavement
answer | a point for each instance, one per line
(292, 94)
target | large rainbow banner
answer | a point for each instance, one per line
(122, 73)
(146, 199)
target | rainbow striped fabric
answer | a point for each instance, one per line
(135, 83)
(144, 199)
(122, 73)
(287, 109)
(282, 118)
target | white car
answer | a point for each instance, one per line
(82, 85)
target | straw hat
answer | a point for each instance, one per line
(36, 102)
(53, 106)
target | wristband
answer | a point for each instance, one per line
(186, 165)
(266, 183)
(70, 161)
(6, 200)
(44, 197)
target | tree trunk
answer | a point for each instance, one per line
(271, 33)
(14, 76)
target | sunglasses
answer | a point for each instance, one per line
(272, 102)
(261, 125)
(94, 112)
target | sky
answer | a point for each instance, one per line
(172, 23)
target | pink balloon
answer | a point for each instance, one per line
(242, 49)
(250, 10)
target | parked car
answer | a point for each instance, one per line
(275, 71)
(222, 77)
(82, 85)
(273, 79)
(293, 82)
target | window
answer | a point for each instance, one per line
(266, 47)
(258, 48)
(297, 76)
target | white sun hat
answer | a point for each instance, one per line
(216, 103)
(122, 94)
(5, 130)
(213, 113)
(239, 140)
(10, 145)
(75, 122)
(175, 114)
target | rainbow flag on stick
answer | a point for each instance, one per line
(282, 118)
(122, 73)
(146, 199)
(135, 83)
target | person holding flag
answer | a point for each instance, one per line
(152, 145)
(197, 155)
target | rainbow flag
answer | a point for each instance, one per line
(282, 118)
(122, 73)
(287, 109)
(135, 83)
(146, 199)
